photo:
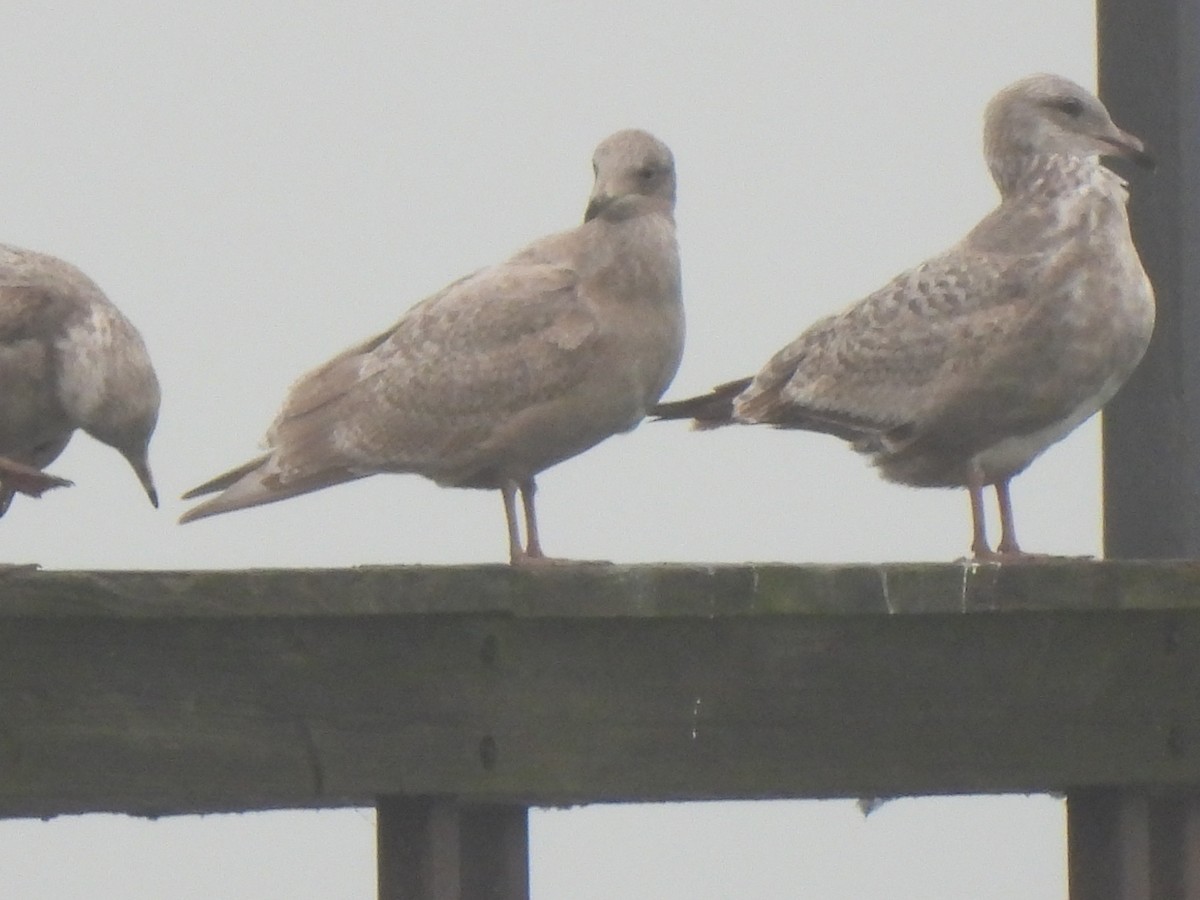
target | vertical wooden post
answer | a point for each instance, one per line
(1107, 845)
(1127, 845)
(495, 858)
(435, 848)
(1149, 60)
(1124, 843)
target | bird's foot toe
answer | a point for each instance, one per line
(526, 561)
(1019, 557)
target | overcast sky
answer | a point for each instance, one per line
(259, 185)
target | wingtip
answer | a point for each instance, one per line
(226, 501)
(191, 515)
(707, 411)
(240, 488)
(224, 480)
(211, 507)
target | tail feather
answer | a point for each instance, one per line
(257, 483)
(711, 410)
(715, 409)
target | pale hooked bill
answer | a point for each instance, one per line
(504, 372)
(961, 371)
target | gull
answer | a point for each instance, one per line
(69, 360)
(504, 372)
(962, 370)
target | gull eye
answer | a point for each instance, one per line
(1072, 106)
(646, 173)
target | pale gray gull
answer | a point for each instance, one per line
(961, 371)
(68, 360)
(503, 373)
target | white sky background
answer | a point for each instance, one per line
(259, 185)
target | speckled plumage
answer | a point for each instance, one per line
(68, 360)
(959, 372)
(504, 372)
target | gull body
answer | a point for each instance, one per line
(962, 370)
(504, 372)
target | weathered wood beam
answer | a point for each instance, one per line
(158, 693)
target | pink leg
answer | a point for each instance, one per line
(509, 491)
(533, 544)
(532, 555)
(1008, 532)
(979, 542)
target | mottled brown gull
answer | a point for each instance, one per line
(961, 371)
(68, 360)
(504, 372)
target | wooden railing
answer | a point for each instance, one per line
(453, 699)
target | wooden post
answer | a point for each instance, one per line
(1149, 61)
(495, 852)
(435, 848)
(417, 849)
(1125, 843)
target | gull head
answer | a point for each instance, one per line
(631, 164)
(1046, 116)
(126, 416)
